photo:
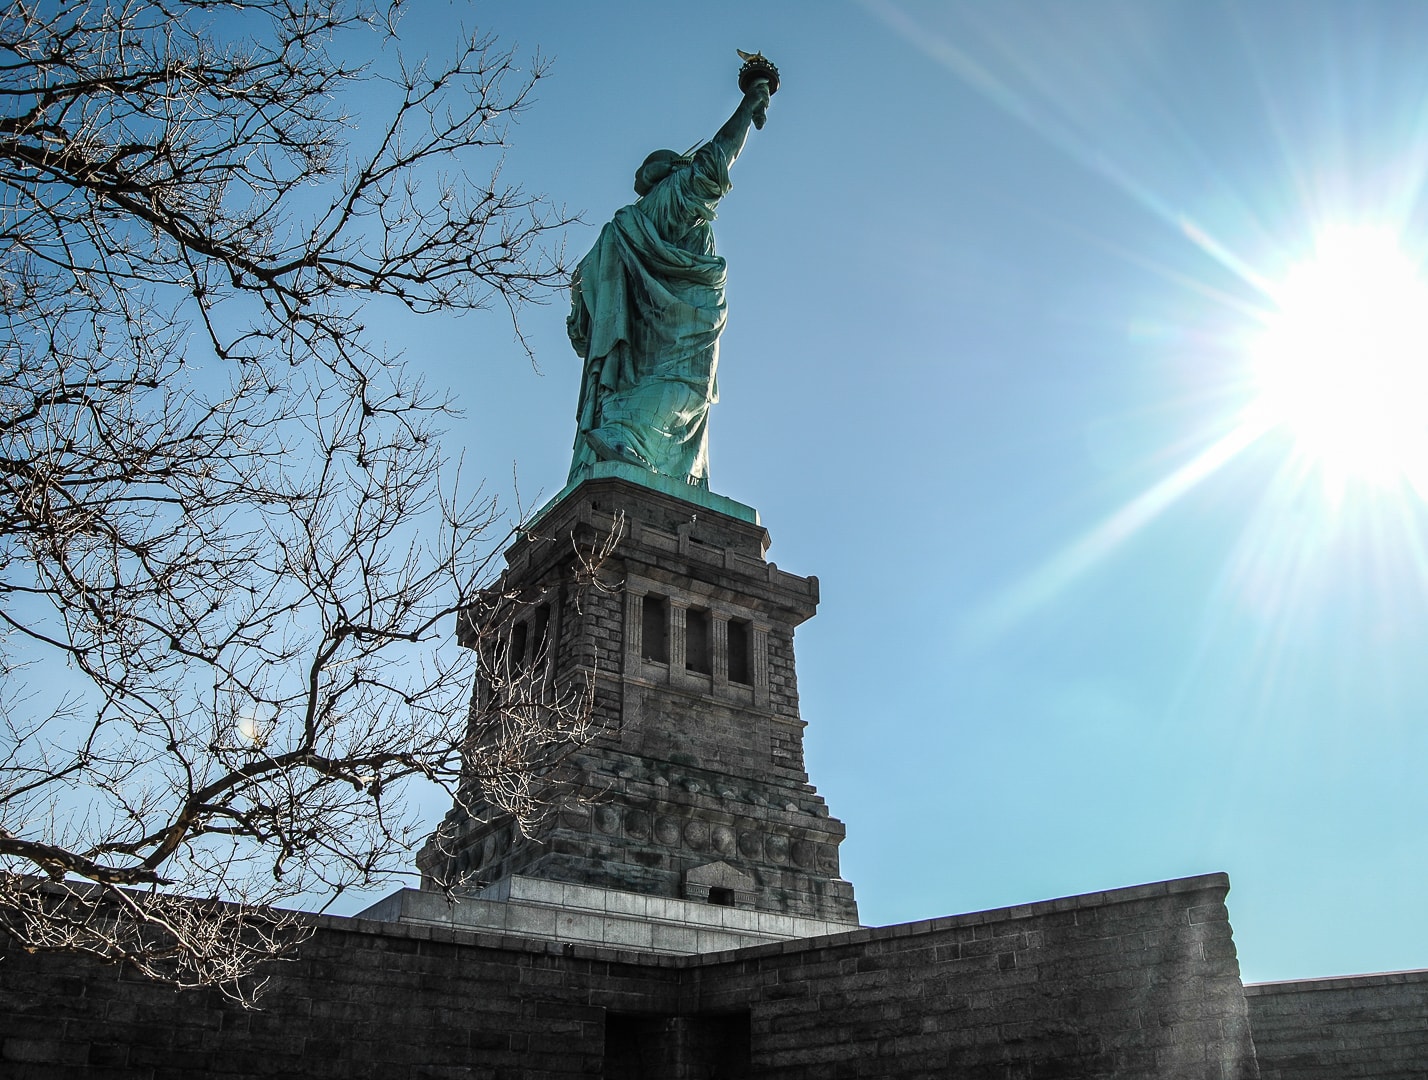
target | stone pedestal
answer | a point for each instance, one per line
(589, 915)
(694, 788)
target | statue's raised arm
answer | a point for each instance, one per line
(753, 109)
(647, 306)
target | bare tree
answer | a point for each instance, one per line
(229, 551)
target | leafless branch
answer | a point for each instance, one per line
(229, 559)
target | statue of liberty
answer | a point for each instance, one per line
(647, 307)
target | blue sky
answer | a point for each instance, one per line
(997, 272)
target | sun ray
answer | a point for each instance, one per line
(1054, 576)
(1032, 95)
(1317, 347)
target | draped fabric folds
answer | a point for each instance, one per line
(647, 309)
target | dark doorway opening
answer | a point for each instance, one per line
(710, 1047)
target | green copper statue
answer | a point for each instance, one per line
(647, 307)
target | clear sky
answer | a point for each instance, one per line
(1013, 291)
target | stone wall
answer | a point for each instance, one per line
(362, 1000)
(1139, 982)
(1338, 1029)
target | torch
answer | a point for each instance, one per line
(757, 68)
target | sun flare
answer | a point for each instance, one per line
(1342, 363)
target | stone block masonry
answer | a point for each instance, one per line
(687, 920)
(699, 754)
(1342, 1029)
(586, 915)
(1139, 982)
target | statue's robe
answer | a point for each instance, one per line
(647, 308)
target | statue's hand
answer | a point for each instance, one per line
(759, 98)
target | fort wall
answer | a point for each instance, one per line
(1136, 982)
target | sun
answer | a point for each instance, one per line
(1342, 362)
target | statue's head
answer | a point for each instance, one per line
(655, 168)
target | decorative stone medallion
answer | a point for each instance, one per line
(696, 835)
(607, 820)
(721, 838)
(637, 824)
(667, 831)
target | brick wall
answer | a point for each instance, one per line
(1339, 1029)
(1134, 983)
